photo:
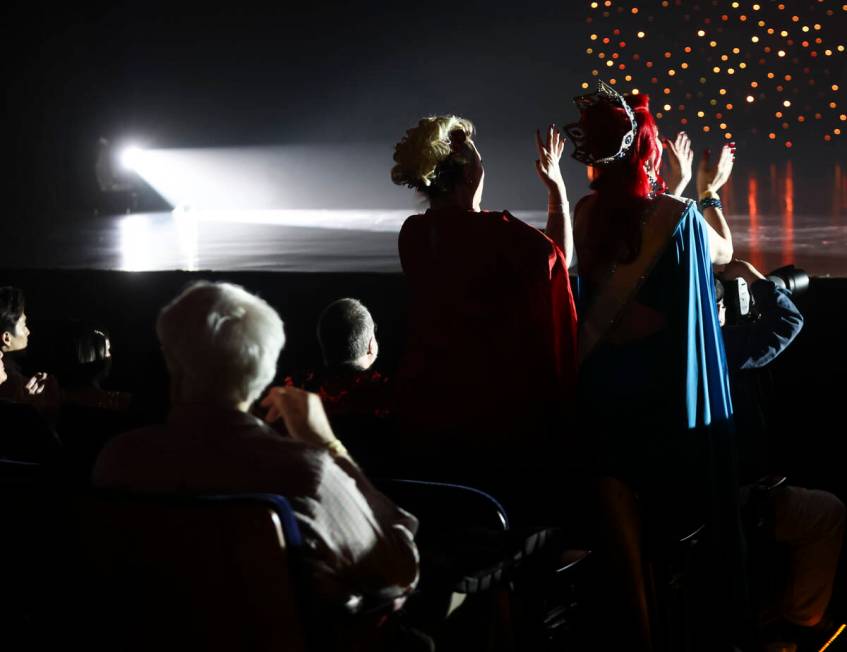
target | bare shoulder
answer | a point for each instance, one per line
(674, 202)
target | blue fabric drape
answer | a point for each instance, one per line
(707, 395)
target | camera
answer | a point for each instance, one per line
(790, 278)
(738, 300)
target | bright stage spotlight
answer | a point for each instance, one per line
(130, 157)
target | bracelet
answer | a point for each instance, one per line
(336, 448)
(711, 202)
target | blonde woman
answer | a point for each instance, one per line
(492, 325)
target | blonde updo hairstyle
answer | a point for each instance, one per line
(431, 157)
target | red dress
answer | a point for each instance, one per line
(492, 323)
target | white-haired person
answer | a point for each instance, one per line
(490, 355)
(221, 346)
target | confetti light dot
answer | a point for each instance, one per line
(788, 144)
(701, 33)
(827, 137)
(833, 105)
(778, 114)
(805, 28)
(722, 125)
(729, 107)
(641, 35)
(843, 117)
(730, 71)
(786, 103)
(585, 84)
(722, 91)
(727, 135)
(836, 131)
(772, 136)
(781, 53)
(671, 72)
(755, 39)
(706, 128)
(667, 107)
(635, 91)
(700, 114)
(742, 65)
(716, 69)
(783, 33)
(754, 84)
(610, 63)
(713, 44)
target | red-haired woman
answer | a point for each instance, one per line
(653, 385)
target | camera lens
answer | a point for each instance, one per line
(790, 278)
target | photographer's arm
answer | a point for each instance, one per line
(753, 345)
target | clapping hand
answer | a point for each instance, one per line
(711, 177)
(680, 156)
(547, 165)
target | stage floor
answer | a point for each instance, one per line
(349, 241)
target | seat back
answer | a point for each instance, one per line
(447, 505)
(200, 573)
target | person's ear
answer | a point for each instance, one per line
(372, 345)
(7, 338)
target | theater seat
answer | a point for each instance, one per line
(190, 573)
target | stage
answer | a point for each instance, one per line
(349, 241)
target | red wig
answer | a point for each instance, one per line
(623, 188)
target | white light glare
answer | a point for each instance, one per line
(131, 157)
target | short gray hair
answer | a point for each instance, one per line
(345, 328)
(223, 341)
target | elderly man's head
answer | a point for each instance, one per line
(221, 344)
(347, 334)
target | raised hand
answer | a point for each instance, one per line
(302, 412)
(680, 157)
(549, 154)
(712, 176)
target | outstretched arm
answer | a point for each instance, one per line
(710, 179)
(558, 228)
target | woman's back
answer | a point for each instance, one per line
(490, 306)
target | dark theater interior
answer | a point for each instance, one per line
(485, 326)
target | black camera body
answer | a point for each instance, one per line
(739, 302)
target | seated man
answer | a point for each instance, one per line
(348, 385)
(809, 522)
(39, 390)
(221, 346)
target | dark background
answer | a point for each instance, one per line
(311, 73)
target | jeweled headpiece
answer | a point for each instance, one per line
(581, 139)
